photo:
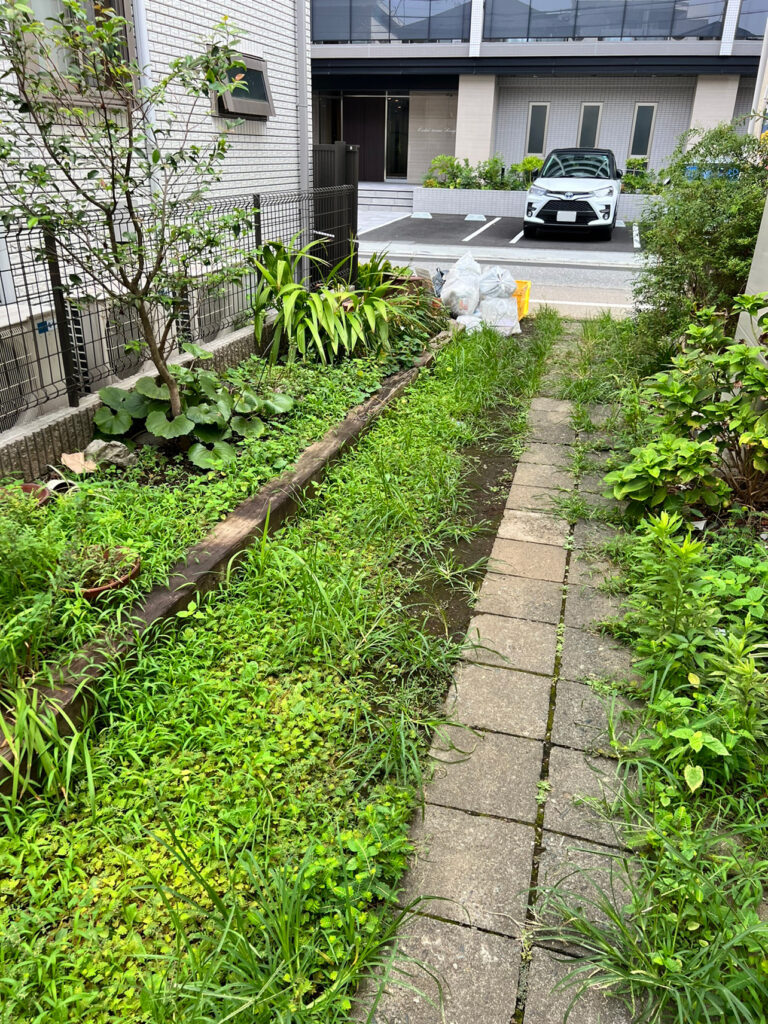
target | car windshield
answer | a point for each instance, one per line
(577, 165)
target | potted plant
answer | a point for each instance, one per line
(95, 569)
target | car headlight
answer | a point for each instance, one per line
(603, 192)
(534, 190)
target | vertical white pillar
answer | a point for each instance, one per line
(714, 100)
(476, 117)
(730, 21)
(476, 27)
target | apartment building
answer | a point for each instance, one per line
(407, 80)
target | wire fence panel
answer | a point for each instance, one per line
(64, 336)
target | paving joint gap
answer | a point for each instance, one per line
(483, 814)
(538, 828)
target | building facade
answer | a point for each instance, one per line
(407, 80)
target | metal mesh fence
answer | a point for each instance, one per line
(64, 333)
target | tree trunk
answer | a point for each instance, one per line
(150, 339)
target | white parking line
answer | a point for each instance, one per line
(636, 236)
(480, 230)
(516, 239)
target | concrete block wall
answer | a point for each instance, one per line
(263, 154)
(618, 96)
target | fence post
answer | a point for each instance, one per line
(68, 359)
(257, 218)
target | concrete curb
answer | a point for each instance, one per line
(206, 562)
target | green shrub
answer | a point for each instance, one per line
(699, 235)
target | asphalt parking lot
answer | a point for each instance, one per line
(502, 232)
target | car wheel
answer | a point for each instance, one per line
(529, 231)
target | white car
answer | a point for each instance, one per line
(575, 188)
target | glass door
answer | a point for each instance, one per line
(397, 137)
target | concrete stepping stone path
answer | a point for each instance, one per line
(503, 813)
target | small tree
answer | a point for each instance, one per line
(109, 161)
(699, 235)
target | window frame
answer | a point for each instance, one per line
(235, 104)
(647, 154)
(531, 105)
(590, 103)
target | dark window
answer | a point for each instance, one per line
(752, 17)
(556, 21)
(537, 128)
(407, 21)
(506, 19)
(645, 114)
(590, 125)
(599, 19)
(698, 19)
(397, 136)
(251, 98)
(650, 19)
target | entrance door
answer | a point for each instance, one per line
(364, 119)
(397, 136)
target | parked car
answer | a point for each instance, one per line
(575, 188)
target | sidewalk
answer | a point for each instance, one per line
(503, 821)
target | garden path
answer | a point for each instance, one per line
(501, 822)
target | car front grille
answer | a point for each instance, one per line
(584, 212)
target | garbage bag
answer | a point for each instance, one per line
(496, 282)
(461, 293)
(469, 323)
(438, 280)
(465, 265)
(500, 314)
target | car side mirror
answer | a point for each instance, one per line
(619, 174)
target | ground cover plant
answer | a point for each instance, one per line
(450, 172)
(234, 843)
(681, 932)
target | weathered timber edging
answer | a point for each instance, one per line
(205, 563)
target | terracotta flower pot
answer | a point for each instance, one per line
(91, 593)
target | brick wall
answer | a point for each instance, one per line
(565, 96)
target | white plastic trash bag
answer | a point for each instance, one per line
(470, 323)
(466, 265)
(501, 314)
(461, 294)
(496, 282)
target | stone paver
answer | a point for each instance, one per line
(582, 873)
(488, 773)
(512, 643)
(572, 776)
(543, 1006)
(541, 454)
(500, 699)
(581, 717)
(587, 606)
(536, 527)
(479, 866)
(475, 969)
(538, 600)
(530, 475)
(589, 655)
(534, 561)
(474, 846)
(533, 499)
(589, 534)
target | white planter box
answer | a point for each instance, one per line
(495, 203)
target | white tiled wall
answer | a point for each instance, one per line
(618, 96)
(263, 154)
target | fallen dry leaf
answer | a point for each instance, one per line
(77, 462)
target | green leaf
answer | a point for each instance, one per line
(159, 425)
(212, 432)
(248, 426)
(205, 413)
(110, 422)
(137, 405)
(196, 350)
(247, 401)
(277, 404)
(148, 387)
(694, 776)
(113, 397)
(219, 457)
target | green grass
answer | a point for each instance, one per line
(235, 844)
